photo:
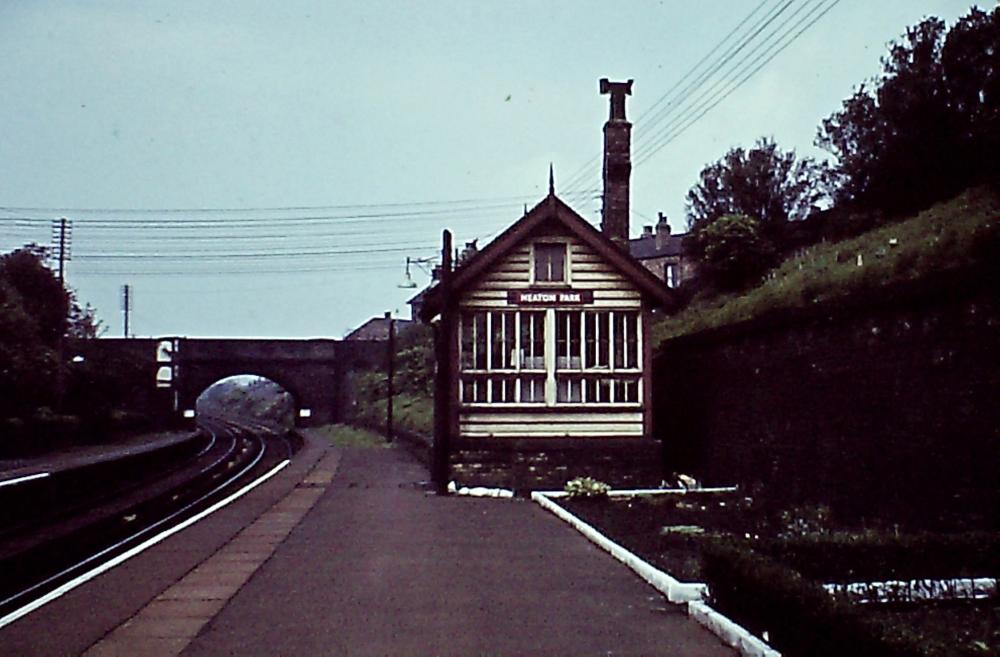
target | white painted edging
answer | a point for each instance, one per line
(916, 590)
(21, 480)
(636, 492)
(676, 591)
(142, 547)
(478, 491)
(732, 634)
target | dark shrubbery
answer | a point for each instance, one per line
(733, 250)
(799, 616)
(843, 557)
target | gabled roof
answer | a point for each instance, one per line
(644, 248)
(377, 328)
(551, 208)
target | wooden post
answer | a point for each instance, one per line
(443, 385)
(390, 356)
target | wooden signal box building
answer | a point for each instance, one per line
(544, 352)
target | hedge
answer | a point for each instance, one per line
(800, 617)
(845, 558)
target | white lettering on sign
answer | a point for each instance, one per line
(538, 297)
(556, 297)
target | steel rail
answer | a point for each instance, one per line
(217, 490)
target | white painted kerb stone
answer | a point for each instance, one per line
(732, 634)
(676, 591)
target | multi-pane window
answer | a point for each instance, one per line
(550, 357)
(550, 262)
(502, 357)
(597, 359)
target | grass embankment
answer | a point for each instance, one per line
(951, 235)
(413, 401)
(342, 435)
(411, 412)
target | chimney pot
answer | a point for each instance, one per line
(662, 232)
(647, 231)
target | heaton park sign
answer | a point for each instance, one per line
(549, 297)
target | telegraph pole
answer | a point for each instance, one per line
(61, 236)
(443, 380)
(62, 233)
(126, 306)
(390, 366)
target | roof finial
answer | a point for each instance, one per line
(552, 181)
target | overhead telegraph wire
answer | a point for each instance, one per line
(653, 116)
(668, 136)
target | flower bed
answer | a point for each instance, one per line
(766, 570)
(669, 531)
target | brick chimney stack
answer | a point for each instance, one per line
(662, 232)
(617, 163)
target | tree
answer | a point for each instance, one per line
(35, 312)
(763, 182)
(83, 322)
(41, 293)
(969, 64)
(27, 364)
(928, 126)
(733, 250)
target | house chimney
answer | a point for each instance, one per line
(662, 231)
(647, 231)
(617, 163)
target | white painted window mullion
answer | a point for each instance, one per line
(489, 356)
(549, 353)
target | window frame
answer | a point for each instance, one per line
(671, 274)
(567, 268)
(613, 374)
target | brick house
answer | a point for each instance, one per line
(662, 252)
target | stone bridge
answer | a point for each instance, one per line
(317, 373)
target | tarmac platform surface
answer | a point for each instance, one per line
(344, 553)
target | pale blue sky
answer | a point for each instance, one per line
(255, 105)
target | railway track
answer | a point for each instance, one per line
(63, 528)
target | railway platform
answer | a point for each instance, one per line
(344, 553)
(13, 469)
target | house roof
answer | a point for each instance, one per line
(419, 297)
(644, 248)
(377, 328)
(551, 208)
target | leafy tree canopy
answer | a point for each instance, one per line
(41, 294)
(35, 311)
(929, 125)
(734, 252)
(762, 182)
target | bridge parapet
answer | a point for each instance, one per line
(316, 372)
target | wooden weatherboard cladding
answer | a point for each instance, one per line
(552, 213)
(544, 338)
(539, 297)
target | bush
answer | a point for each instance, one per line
(733, 250)
(586, 487)
(853, 557)
(800, 617)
